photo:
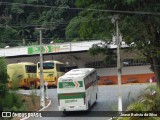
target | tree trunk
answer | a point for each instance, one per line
(156, 68)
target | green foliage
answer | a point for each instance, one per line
(129, 97)
(72, 28)
(17, 9)
(147, 102)
(3, 77)
(3, 71)
(5, 36)
(11, 102)
(18, 17)
(104, 50)
(15, 82)
(153, 98)
(140, 28)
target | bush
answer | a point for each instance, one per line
(11, 102)
(3, 71)
(147, 102)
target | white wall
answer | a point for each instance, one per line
(125, 70)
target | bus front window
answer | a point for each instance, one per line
(47, 65)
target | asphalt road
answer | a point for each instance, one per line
(106, 103)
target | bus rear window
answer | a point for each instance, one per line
(47, 65)
(30, 69)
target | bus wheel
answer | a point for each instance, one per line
(65, 112)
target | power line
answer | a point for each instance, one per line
(87, 9)
(63, 23)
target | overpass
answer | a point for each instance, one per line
(75, 54)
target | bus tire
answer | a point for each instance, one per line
(65, 112)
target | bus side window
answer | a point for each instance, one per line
(91, 77)
(30, 69)
(86, 81)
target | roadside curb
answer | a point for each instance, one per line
(46, 106)
(25, 118)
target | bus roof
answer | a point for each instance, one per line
(81, 72)
(52, 61)
(23, 63)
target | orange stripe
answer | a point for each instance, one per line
(141, 78)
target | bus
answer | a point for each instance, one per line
(52, 70)
(22, 75)
(77, 89)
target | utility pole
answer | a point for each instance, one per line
(118, 68)
(114, 19)
(42, 99)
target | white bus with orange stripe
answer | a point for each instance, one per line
(22, 75)
(77, 89)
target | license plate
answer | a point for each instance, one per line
(69, 101)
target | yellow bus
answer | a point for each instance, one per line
(52, 70)
(22, 75)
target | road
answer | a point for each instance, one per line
(107, 102)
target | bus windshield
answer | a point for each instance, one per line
(47, 65)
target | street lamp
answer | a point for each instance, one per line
(114, 19)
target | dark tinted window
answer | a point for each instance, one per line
(47, 65)
(60, 67)
(30, 69)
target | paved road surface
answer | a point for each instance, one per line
(107, 101)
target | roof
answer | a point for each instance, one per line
(78, 72)
(56, 48)
(22, 63)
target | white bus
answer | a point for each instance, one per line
(77, 89)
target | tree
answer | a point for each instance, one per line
(139, 28)
(91, 24)
(3, 77)
(8, 37)
(23, 32)
(143, 30)
(58, 18)
(31, 14)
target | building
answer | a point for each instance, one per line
(75, 54)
